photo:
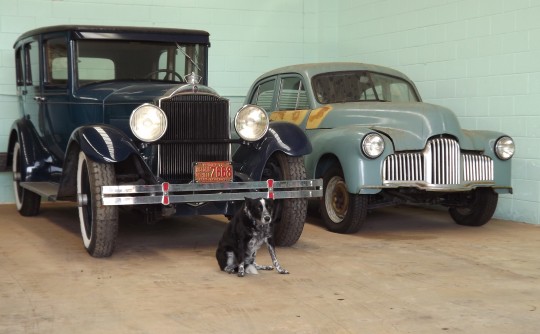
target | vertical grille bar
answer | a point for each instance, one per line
(198, 130)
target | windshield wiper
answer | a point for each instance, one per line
(188, 57)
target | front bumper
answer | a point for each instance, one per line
(166, 193)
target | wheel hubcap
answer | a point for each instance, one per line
(336, 199)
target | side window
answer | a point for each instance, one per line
(56, 62)
(263, 95)
(19, 67)
(32, 64)
(400, 92)
(292, 95)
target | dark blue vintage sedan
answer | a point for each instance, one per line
(116, 116)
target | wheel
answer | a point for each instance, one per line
(174, 73)
(27, 202)
(99, 223)
(290, 214)
(341, 211)
(482, 203)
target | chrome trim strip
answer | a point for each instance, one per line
(168, 193)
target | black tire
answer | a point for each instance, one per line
(99, 223)
(290, 214)
(27, 202)
(481, 207)
(341, 211)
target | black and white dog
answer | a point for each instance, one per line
(250, 227)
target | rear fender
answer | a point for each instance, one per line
(36, 159)
(281, 136)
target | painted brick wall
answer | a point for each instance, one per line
(248, 38)
(481, 58)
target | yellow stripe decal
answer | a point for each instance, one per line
(291, 116)
(317, 116)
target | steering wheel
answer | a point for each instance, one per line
(176, 74)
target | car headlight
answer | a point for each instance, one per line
(373, 145)
(505, 148)
(148, 122)
(251, 122)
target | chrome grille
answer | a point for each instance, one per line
(404, 167)
(197, 130)
(477, 168)
(440, 163)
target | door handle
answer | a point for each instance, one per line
(39, 98)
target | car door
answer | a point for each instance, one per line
(292, 104)
(57, 123)
(31, 90)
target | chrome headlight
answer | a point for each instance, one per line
(373, 145)
(251, 122)
(148, 122)
(505, 148)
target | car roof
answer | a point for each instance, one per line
(312, 69)
(121, 32)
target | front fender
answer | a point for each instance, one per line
(281, 136)
(344, 144)
(103, 143)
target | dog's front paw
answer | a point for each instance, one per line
(241, 271)
(230, 269)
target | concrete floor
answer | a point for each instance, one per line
(410, 270)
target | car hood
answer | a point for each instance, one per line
(409, 125)
(124, 92)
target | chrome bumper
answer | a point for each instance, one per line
(166, 193)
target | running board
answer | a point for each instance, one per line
(45, 189)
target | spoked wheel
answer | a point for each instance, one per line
(99, 223)
(480, 209)
(290, 214)
(341, 211)
(27, 202)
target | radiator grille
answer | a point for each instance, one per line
(440, 163)
(198, 130)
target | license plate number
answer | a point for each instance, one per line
(213, 172)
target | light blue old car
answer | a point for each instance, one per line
(375, 143)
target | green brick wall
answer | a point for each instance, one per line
(481, 58)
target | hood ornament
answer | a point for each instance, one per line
(192, 78)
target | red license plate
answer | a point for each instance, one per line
(213, 172)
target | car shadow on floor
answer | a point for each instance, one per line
(184, 232)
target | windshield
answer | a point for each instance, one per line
(128, 60)
(353, 86)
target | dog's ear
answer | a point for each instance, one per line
(248, 202)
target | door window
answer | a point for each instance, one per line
(264, 94)
(32, 64)
(292, 95)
